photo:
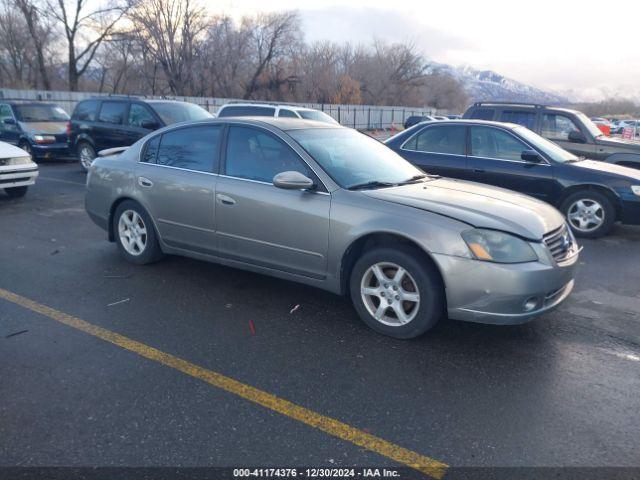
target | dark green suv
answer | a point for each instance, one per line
(570, 129)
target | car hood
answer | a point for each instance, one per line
(478, 205)
(603, 167)
(49, 128)
(9, 151)
(628, 145)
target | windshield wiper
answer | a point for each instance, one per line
(413, 179)
(371, 184)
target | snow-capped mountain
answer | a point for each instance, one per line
(482, 85)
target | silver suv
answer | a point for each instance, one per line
(265, 109)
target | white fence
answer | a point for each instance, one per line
(363, 117)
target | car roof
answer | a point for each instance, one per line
(27, 102)
(463, 121)
(266, 104)
(521, 106)
(282, 123)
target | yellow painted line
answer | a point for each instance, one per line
(409, 458)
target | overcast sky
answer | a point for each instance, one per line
(560, 45)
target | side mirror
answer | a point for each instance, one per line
(292, 181)
(531, 156)
(9, 121)
(577, 137)
(150, 125)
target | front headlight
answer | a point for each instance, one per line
(44, 138)
(636, 189)
(499, 247)
(15, 161)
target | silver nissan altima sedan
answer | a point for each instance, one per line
(328, 206)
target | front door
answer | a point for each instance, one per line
(495, 159)
(260, 224)
(176, 180)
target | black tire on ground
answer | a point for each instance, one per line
(16, 192)
(152, 251)
(590, 196)
(431, 307)
(90, 151)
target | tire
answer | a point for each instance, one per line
(86, 155)
(16, 192)
(421, 277)
(599, 213)
(138, 217)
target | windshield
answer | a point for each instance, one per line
(171, 112)
(40, 113)
(592, 127)
(552, 150)
(352, 158)
(316, 115)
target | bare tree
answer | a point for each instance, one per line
(40, 36)
(273, 37)
(86, 25)
(171, 31)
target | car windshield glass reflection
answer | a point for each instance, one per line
(40, 113)
(552, 150)
(352, 158)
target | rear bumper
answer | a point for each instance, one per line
(496, 294)
(18, 175)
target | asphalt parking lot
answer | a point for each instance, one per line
(560, 391)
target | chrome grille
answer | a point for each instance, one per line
(560, 243)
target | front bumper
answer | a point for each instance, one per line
(50, 151)
(494, 293)
(18, 175)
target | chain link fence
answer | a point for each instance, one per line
(361, 117)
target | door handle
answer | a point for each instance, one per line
(479, 170)
(224, 199)
(144, 182)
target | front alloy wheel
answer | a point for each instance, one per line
(390, 294)
(586, 215)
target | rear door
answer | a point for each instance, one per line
(260, 224)
(439, 149)
(495, 159)
(176, 179)
(110, 130)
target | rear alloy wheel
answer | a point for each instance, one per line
(590, 214)
(135, 235)
(397, 291)
(86, 155)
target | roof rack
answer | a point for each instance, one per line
(523, 104)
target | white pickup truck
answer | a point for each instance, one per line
(17, 170)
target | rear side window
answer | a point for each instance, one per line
(192, 148)
(112, 112)
(450, 139)
(86, 111)
(482, 114)
(247, 111)
(526, 119)
(287, 113)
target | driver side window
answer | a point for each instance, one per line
(257, 155)
(490, 142)
(557, 127)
